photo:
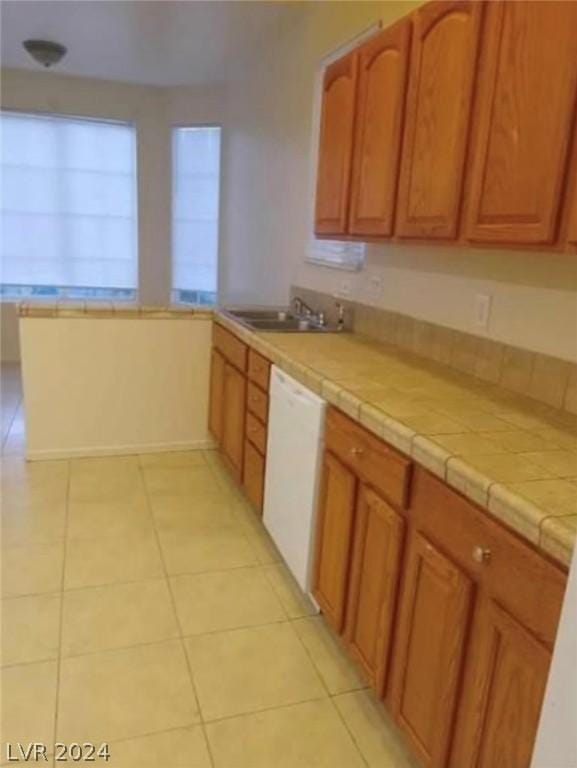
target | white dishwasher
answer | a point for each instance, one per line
(293, 463)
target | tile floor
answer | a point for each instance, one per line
(144, 605)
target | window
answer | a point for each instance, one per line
(195, 204)
(67, 207)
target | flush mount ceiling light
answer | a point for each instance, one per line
(45, 52)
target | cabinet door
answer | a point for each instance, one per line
(334, 540)
(336, 146)
(439, 104)
(216, 394)
(374, 583)
(436, 604)
(383, 64)
(524, 122)
(502, 693)
(234, 403)
(253, 475)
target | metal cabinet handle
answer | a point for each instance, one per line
(357, 451)
(481, 554)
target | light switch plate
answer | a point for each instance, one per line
(483, 303)
(344, 289)
(375, 286)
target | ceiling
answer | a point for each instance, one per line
(159, 43)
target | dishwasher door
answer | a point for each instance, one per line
(293, 463)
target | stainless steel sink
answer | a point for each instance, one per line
(260, 314)
(276, 320)
(291, 324)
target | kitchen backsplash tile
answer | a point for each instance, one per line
(546, 379)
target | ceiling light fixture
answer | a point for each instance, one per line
(45, 52)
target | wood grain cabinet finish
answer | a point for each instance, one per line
(383, 65)
(215, 416)
(253, 475)
(524, 123)
(234, 399)
(438, 117)
(336, 146)
(335, 519)
(437, 601)
(375, 570)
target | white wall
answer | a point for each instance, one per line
(99, 386)
(153, 110)
(270, 179)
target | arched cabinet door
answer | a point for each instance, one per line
(336, 146)
(524, 124)
(438, 116)
(383, 65)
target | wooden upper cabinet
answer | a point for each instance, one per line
(336, 146)
(436, 605)
(383, 65)
(439, 104)
(234, 403)
(502, 693)
(374, 581)
(525, 118)
(334, 540)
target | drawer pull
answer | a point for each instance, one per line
(357, 452)
(481, 554)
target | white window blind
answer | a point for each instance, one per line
(195, 207)
(68, 205)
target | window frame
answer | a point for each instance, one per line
(49, 291)
(177, 295)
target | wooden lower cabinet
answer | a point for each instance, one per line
(503, 692)
(375, 569)
(437, 602)
(253, 475)
(215, 414)
(233, 398)
(334, 540)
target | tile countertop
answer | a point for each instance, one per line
(511, 455)
(108, 310)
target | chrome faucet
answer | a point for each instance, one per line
(302, 309)
(340, 316)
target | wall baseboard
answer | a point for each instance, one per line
(120, 450)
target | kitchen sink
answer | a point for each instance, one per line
(261, 314)
(276, 320)
(290, 324)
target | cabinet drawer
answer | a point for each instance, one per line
(256, 432)
(232, 348)
(253, 479)
(516, 575)
(372, 460)
(257, 402)
(258, 369)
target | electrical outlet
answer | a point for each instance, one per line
(375, 286)
(344, 289)
(482, 310)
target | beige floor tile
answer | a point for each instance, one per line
(36, 569)
(246, 670)
(208, 549)
(125, 693)
(110, 479)
(94, 519)
(117, 616)
(253, 528)
(28, 524)
(95, 562)
(309, 735)
(173, 459)
(28, 703)
(180, 481)
(294, 602)
(209, 602)
(186, 513)
(182, 748)
(335, 668)
(30, 628)
(373, 732)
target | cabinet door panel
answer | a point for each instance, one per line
(525, 119)
(334, 540)
(439, 103)
(336, 146)
(253, 475)
(502, 693)
(383, 64)
(215, 420)
(436, 605)
(234, 399)
(374, 584)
